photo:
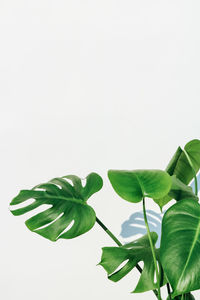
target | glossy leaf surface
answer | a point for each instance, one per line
(180, 246)
(132, 253)
(178, 191)
(179, 165)
(187, 296)
(134, 185)
(69, 215)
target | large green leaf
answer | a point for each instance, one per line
(180, 246)
(187, 296)
(134, 185)
(132, 253)
(69, 215)
(178, 191)
(179, 164)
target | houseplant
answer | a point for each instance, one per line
(176, 264)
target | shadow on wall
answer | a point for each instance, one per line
(135, 224)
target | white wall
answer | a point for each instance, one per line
(88, 86)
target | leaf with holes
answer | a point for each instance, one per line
(180, 246)
(134, 185)
(131, 254)
(69, 215)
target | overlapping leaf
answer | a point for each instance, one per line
(187, 296)
(132, 253)
(179, 164)
(69, 215)
(134, 185)
(178, 191)
(180, 167)
(180, 246)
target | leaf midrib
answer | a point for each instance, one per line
(192, 248)
(62, 198)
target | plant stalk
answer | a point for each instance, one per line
(152, 249)
(169, 292)
(194, 173)
(113, 237)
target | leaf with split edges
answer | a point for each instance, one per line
(69, 215)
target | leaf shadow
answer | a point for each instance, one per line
(135, 224)
(193, 183)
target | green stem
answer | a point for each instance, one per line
(113, 237)
(152, 249)
(193, 170)
(169, 292)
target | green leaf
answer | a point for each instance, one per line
(134, 185)
(188, 296)
(180, 246)
(69, 215)
(179, 164)
(132, 253)
(179, 191)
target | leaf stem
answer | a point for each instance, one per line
(113, 237)
(152, 249)
(169, 292)
(193, 170)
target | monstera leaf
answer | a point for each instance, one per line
(134, 185)
(69, 215)
(180, 246)
(187, 296)
(179, 164)
(178, 191)
(133, 253)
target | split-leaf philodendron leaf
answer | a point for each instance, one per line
(133, 253)
(180, 246)
(69, 208)
(133, 186)
(187, 296)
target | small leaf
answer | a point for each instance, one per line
(134, 185)
(133, 253)
(68, 206)
(180, 246)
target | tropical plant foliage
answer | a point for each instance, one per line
(68, 205)
(132, 253)
(176, 263)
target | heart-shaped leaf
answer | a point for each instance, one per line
(180, 246)
(134, 185)
(132, 253)
(179, 164)
(179, 191)
(69, 215)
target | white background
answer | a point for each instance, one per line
(87, 86)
